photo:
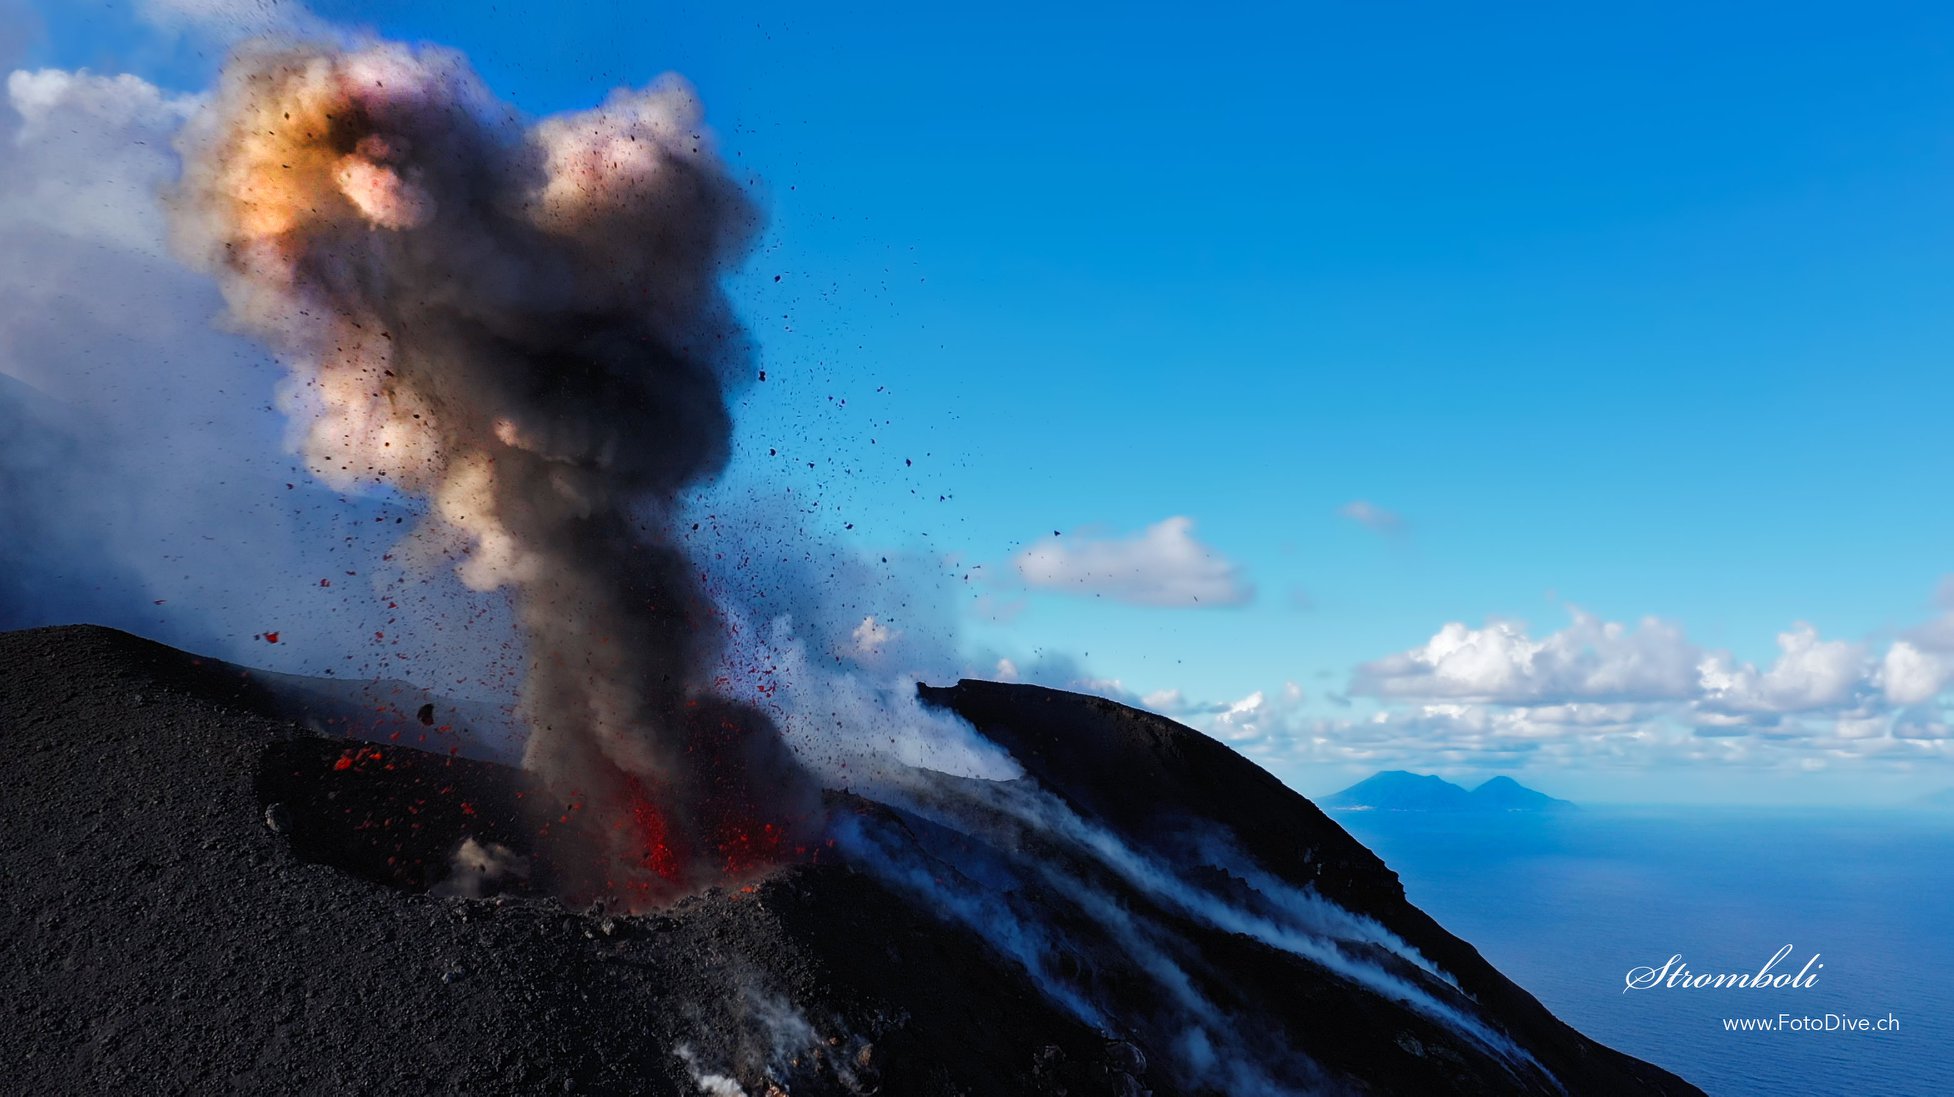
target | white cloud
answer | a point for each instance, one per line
(1164, 700)
(1922, 724)
(1372, 516)
(1602, 693)
(142, 484)
(1589, 660)
(1809, 674)
(871, 636)
(1909, 675)
(1259, 717)
(1162, 565)
(91, 153)
(1278, 732)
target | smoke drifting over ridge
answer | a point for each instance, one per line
(520, 329)
(523, 325)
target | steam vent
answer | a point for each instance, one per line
(208, 888)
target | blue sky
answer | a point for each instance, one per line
(1640, 312)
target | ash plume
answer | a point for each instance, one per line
(524, 326)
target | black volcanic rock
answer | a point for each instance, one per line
(1397, 790)
(157, 934)
(200, 896)
(1153, 779)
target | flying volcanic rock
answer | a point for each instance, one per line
(195, 894)
(524, 326)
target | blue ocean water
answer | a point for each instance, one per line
(1567, 904)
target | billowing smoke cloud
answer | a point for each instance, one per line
(477, 867)
(518, 331)
(142, 484)
(525, 326)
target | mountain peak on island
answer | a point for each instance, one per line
(1399, 790)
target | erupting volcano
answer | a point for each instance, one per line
(871, 887)
(524, 326)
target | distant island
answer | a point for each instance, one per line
(1944, 799)
(1397, 790)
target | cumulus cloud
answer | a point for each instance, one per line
(1275, 729)
(1372, 516)
(1600, 692)
(90, 152)
(1909, 675)
(1930, 645)
(871, 636)
(1922, 724)
(1257, 717)
(1162, 565)
(1168, 701)
(1589, 660)
(1809, 674)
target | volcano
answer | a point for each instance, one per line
(200, 894)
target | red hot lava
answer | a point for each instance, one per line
(735, 809)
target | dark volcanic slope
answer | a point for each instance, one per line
(157, 936)
(163, 931)
(1154, 781)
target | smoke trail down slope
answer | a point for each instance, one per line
(1083, 911)
(524, 325)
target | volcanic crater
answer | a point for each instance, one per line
(203, 895)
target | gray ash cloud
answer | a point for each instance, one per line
(523, 325)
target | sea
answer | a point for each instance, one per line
(1568, 904)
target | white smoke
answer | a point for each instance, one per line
(774, 1037)
(141, 483)
(831, 649)
(481, 868)
(1019, 815)
(854, 731)
(710, 1084)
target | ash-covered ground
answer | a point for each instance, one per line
(200, 895)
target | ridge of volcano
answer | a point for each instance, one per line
(202, 895)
